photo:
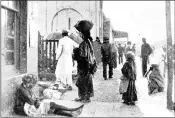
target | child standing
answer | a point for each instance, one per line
(129, 71)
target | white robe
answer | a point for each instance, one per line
(65, 64)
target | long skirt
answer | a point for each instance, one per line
(131, 94)
(64, 69)
(85, 85)
(156, 82)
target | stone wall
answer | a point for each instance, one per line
(8, 88)
(12, 74)
(44, 12)
(106, 29)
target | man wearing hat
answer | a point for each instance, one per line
(146, 50)
(106, 51)
(84, 55)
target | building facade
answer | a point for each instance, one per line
(17, 57)
(53, 16)
(107, 29)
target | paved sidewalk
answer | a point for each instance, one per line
(107, 100)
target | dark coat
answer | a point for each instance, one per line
(106, 51)
(120, 50)
(22, 96)
(146, 50)
(129, 71)
(84, 81)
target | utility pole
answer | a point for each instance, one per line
(169, 55)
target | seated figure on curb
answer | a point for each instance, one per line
(155, 79)
(27, 104)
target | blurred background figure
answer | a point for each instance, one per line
(134, 48)
(98, 40)
(128, 47)
(114, 55)
(120, 53)
(97, 50)
(164, 56)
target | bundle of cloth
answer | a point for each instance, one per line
(155, 80)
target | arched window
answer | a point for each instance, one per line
(65, 19)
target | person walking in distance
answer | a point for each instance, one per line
(120, 52)
(146, 50)
(114, 56)
(97, 51)
(134, 48)
(128, 47)
(106, 51)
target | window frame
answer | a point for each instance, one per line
(20, 64)
(7, 36)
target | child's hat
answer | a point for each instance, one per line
(130, 54)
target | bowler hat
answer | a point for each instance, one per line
(105, 39)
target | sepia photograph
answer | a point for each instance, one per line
(90, 58)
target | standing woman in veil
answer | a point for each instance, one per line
(84, 55)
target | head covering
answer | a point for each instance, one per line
(64, 32)
(129, 43)
(130, 55)
(155, 66)
(143, 39)
(105, 39)
(83, 25)
(30, 78)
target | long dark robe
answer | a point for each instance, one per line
(129, 71)
(156, 83)
(84, 81)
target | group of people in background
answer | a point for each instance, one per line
(128, 53)
(111, 53)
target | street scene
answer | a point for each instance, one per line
(87, 59)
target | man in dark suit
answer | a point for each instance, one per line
(106, 51)
(146, 50)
